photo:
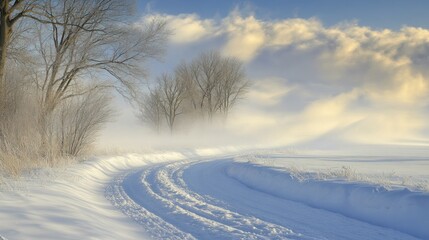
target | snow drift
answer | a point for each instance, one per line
(69, 203)
(400, 209)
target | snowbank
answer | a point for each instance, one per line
(400, 209)
(69, 203)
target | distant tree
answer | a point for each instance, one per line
(211, 84)
(165, 100)
(215, 82)
(172, 94)
(150, 107)
(206, 75)
(232, 85)
(184, 72)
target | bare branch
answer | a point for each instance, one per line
(87, 37)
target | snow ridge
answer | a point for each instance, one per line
(399, 209)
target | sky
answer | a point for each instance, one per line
(323, 72)
(377, 13)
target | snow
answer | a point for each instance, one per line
(220, 193)
(399, 209)
(69, 203)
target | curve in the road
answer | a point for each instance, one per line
(198, 200)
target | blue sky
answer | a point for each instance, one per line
(375, 13)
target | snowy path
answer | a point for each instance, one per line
(200, 200)
(165, 196)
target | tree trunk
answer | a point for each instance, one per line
(4, 41)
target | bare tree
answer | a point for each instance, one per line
(150, 108)
(210, 84)
(165, 100)
(215, 83)
(206, 74)
(80, 119)
(82, 37)
(83, 47)
(184, 72)
(82, 40)
(172, 95)
(10, 12)
(231, 86)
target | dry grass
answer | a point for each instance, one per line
(70, 131)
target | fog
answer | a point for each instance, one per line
(312, 84)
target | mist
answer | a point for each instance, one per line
(345, 84)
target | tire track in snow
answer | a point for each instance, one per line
(157, 228)
(173, 187)
(188, 200)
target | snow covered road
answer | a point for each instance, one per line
(204, 200)
(202, 195)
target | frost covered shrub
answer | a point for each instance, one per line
(70, 131)
(79, 121)
(19, 134)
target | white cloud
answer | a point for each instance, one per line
(365, 85)
(293, 31)
(186, 28)
(245, 36)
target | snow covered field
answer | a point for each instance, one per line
(217, 194)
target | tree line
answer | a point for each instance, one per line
(208, 86)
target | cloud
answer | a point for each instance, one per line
(299, 32)
(245, 36)
(348, 81)
(186, 28)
